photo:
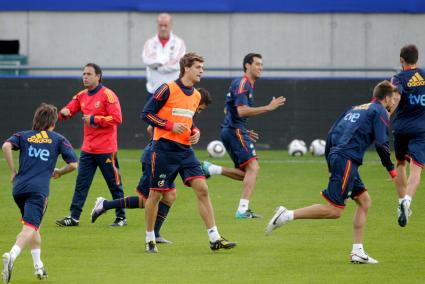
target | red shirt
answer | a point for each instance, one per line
(100, 135)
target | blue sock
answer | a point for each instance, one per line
(126, 202)
(160, 218)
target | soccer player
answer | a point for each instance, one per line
(409, 129)
(353, 132)
(239, 141)
(101, 116)
(170, 111)
(102, 205)
(39, 149)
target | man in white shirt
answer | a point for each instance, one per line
(161, 55)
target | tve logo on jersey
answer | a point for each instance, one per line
(352, 117)
(417, 99)
(41, 137)
(43, 154)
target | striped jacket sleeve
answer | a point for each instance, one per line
(154, 105)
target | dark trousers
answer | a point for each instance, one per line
(108, 164)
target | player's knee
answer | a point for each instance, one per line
(401, 163)
(335, 213)
(202, 193)
(169, 197)
(253, 167)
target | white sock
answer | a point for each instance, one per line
(357, 247)
(408, 197)
(36, 258)
(15, 251)
(213, 234)
(243, 205)
(215, 170)
(290, 215)
(150, 236)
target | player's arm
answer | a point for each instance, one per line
(154, 105)
(71, 108)
(173, 64)
(382, 144)
(149, 56)
(195, 134)
(397, 97)
(11, 144)
(8, 156)
(114, 116)
(244, 110)
(70, 158)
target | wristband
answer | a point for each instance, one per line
(169, 125)
(393, 173)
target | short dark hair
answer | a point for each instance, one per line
(206, 98)
(249, 58)
(188, 60)
(409, 53)
(45, 116)
(384, 89)
(96, 68)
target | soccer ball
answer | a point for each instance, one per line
(216, 149)
(297, 148)
(317, 147)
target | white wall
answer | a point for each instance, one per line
(285, 40)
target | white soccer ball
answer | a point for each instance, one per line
(216, 149)
(317, 147)
(297, 148)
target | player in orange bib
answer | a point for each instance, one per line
(170, 111)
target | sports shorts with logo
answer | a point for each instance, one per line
(32, 205)
(344, 181)
(145, 179)
(238, 145)
(410, 146)
(169, 159)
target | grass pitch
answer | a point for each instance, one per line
(304, 251)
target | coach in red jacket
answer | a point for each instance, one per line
(101, 116)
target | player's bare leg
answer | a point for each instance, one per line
(233, 173)
(358, 255)
(206, 211)
(318, 211)
(151, 210)
(412, 185)
(401, 179)
(248, 184)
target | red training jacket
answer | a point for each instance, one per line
(100, 135)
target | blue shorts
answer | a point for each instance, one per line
(145, 180)
(239, 146)
(32, 206)
(344, 182)
(168, 160)
(410, 147)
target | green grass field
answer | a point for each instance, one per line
(304, 251)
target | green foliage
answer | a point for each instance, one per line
(305, 251)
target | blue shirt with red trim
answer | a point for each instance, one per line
(38, 153)
(410, 113)
(241, 93)
(358, 128)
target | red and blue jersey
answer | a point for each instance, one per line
(103, 106)
(241, 93)
(410, 113)
(39, 151)
(358, 128)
